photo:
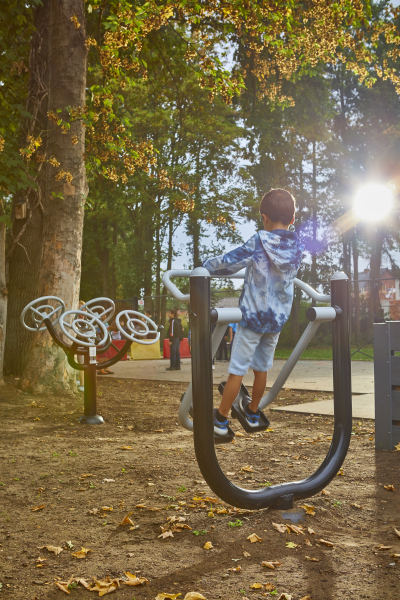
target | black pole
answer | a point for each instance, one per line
(202, 378)
(282, 495)
(90, 416)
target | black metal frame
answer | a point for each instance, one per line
(282, 495)
(90, 416)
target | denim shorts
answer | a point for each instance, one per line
(252, 350)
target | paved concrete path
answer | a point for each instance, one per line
(307, 375)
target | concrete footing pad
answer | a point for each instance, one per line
(363, 407)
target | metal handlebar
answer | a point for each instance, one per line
(178, 295)
(40, 309)
(138, 327)
(84, 325)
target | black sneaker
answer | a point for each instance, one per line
(253, 419)
(220, 427)
(170, 369)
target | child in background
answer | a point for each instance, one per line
(272, 258)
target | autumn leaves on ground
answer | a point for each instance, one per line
(122, 508)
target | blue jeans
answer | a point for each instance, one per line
(175, 357)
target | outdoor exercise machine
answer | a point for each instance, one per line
(86, 328)
(198, 399)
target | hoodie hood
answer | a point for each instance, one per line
(282, 248)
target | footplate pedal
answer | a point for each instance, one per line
(237, 413)
(224, 439)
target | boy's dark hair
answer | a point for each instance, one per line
(174, 312)
(279, 205)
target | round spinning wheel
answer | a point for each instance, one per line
(46, 307)
(82, 328)
(102, 308)
(138, 327)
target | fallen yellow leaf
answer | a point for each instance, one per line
(35, 508)
(390, 488)
(280, 527)
(107, 508)
(126, 520)
(167, 596)
(254, 538)
(133, 580)
(55, 549)
(269, 587)
(326, 542)
(310, 510)
(194, 596)
(256, 586)
(105, 586)
(208, 546)
(291, 545)
(397, 532)
(247, 468)
(166, 534)
(82, 553)
(354, 505)
(271, 564)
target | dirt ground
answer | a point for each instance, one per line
(60, 480)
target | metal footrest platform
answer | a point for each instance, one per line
(237, 412)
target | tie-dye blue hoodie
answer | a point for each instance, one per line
(272, 259)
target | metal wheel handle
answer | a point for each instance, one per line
(138, 327)
(83, 328)
(40, 309)
(102, 308)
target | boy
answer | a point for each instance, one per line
(272, 258)
(174, 338)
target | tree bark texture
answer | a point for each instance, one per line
(24, 252)
(3, 291)
(63, 201)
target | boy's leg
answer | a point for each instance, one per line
(260, 381)
(231, 390)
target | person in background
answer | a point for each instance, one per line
(175, 335)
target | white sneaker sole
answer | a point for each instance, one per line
(219, 431)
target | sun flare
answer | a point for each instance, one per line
(373, 202)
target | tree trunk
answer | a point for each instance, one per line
(63, 201)
(3, 291)
(356, 289)
(24, 253)
(113, 276)
(375, 310)
(314, 212)
(169, 266)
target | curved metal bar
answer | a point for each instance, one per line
(176, 293)
(55, 337)
(283, 495)
(216, 339)
(318, 315)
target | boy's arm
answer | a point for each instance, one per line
(233, 261)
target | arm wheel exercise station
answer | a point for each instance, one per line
(86, 329)
(198, 399)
